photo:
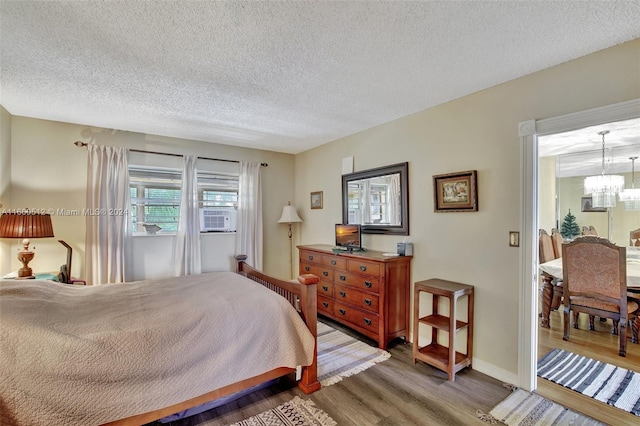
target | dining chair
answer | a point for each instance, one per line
(634, 238)
(595, 282)
(557, 239)
(546, 253)
(589, 230)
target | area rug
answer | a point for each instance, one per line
(522, 408)
(297, 412)
(604, 382)
(340, 355)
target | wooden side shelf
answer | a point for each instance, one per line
(443, 357)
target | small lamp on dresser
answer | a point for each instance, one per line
(25, 225)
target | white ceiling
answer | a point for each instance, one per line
(579, 152)
(282, 76)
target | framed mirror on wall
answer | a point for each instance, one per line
(377, 199)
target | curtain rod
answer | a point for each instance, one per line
(81, 144)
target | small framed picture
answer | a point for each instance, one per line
(587, 205)
(455, 192)
(316, 200)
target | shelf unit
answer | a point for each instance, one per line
(445, 358)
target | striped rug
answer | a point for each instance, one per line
(604, 382)
(340, 355)
(522, 408)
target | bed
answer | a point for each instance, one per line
(137, 352)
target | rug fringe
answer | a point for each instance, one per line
(510, 386)
(488, 418)
(357, 369)
(316, 413)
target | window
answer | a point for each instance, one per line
(155, 195)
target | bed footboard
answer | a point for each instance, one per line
(303, 296)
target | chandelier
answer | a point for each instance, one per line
(631, 196)
(603, 188)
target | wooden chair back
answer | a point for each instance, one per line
(557, 239)
(634, 238)
(595, 282)
(545, 247)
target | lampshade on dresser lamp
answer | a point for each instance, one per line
(26, 225)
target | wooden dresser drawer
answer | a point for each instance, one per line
(363, 267)
(322, 272)
(325, 305)
(352, 296)
(335, 262)
(310, 257)
(325, 288)
(358, 281)
(363, 319)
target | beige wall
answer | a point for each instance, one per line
(570, 192)
(478, 132)
(5, 182)
(547, 194)
(49, 172)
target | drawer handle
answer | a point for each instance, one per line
(342, 311)
(325, 288)
(310, 257)
(363, 268)
(367, 302)
(306, 268)
(367, 321)
(325, 273)
(325, 304)
(343, 294)
(333, 262)
(368, 284)
(343, 278)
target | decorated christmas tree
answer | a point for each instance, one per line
(569, 228)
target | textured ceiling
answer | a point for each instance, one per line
(579, 152)
(282, 76)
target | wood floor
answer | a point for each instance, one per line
(398, 392)
(394, 392)
(599, 344)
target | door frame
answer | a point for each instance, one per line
(528, 132)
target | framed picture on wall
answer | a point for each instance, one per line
(455, 192)
(316, 200)
(587, 205)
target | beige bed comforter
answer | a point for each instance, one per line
(87, 355)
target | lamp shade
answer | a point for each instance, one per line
(26, 225)
(289, 215)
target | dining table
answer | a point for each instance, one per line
(551, 273)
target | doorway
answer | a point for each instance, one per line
(529, 132)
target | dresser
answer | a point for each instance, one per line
(365, 291)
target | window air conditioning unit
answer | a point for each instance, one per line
(218, 219)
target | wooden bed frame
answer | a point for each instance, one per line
(302, 295)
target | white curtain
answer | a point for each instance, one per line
(108, 210)
(366, 201)
(249, 233)
(186, 251)
(393, 200)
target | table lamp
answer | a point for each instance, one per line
(25, 225)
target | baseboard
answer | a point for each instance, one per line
(495, 372)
